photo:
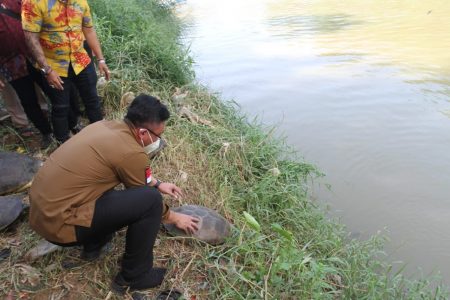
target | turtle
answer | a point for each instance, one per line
(11, 207)
(212, 227)
(18, 171)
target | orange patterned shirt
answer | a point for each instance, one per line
(59, 24)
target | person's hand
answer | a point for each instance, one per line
(170, 189)
(54, 81)
(2, 85)
(185, 222)
(103, 69)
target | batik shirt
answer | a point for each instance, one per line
(13, 68)
(60, 27)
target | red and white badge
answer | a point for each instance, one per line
(148, 175)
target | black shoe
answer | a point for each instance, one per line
(46, 141)
(76, 129)
(148, 280)
(94, 254)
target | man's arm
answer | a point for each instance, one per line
(32, 41)
(92, 40)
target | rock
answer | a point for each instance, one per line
(42, 248)
(18, 171)
(224, 149)
(178, 98)
(183, 176)
(193, 117)
(275, 172)
(10, 209)
(126, 99)
(101, 83)
(29, 277)
(213, 228)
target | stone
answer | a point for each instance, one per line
(43, 248)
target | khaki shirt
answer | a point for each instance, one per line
(65, 189)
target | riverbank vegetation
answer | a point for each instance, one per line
(283, 246)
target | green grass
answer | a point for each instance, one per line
(283, 246)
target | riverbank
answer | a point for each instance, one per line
(291, 251)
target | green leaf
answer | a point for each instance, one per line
(251, 221)
(281, 231)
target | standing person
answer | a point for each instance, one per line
(75, 203)
(12, 105)
(13, 68)
(54, 32)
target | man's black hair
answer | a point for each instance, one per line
(147, 109)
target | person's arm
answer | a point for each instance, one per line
(2, 85)
(184, 222)
(32, 41)
(31, 23)
(132, 172)
(91, 38)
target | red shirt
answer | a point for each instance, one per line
(12, 40)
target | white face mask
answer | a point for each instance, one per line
(151, 147)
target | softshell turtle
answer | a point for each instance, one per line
(212, 228)
(17, 171)
(10, 209)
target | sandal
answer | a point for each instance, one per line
(25, 131)
(169, 295)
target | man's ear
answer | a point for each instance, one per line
(141, 132)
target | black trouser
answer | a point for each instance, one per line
(74, 112)
(140, 210)
(26, 92)
(85, 82)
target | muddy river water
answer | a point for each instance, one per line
(361, 89)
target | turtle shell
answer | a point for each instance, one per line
(10, 209)
(213, 228)
(18, 171)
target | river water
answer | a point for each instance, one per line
(362, 90)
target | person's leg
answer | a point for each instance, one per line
(13, 106)
(86, 82)
(140, 210)
(24, 88)
(41, 98)
(75, 111)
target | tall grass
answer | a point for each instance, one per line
(283, 246)
(290, 250)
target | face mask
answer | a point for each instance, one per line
(151, 147)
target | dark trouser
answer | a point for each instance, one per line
(26, 92)
(85, 82)
(74, 112)
(140, 210)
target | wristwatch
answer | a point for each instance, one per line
(45, 70)
(157, 183)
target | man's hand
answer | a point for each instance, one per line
(54, 80)
(103, 69)
(2, 85)
(184, 222)
(170, 189)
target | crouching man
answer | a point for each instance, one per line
(73, 201)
